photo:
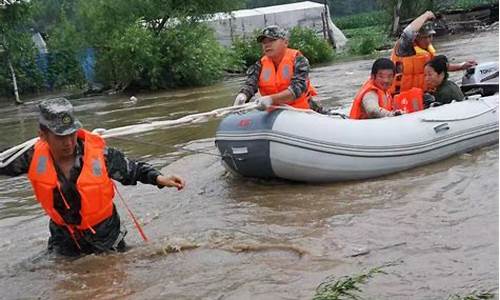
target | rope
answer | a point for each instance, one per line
(7, 156)
(194, 118)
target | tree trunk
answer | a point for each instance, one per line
(14, 81)
(397, 13)
(327, 21)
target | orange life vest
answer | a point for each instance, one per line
(410, 69)
(272, 81)
(95, 187)
(409, 101)
(384, 100)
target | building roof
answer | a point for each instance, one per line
(268, 10)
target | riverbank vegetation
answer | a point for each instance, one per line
(147, 45)
(351, 287)
(154, 44)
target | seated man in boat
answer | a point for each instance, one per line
(374, 100)
(281, 76)
(71, 171)
(413, 50)
(438, 85)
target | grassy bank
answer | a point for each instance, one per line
(366, 32)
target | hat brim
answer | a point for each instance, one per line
(67, 131)
(61, 131)
(261, 37)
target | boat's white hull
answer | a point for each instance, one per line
(311, 147)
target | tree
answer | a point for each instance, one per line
(18, 50)
(134, 44)
(403, 10)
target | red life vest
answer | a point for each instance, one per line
(384, 100)
(410, 69)
(409, 101)
(95, 187)
(272, 81)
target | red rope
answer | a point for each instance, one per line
(137, 225)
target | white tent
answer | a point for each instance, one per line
(307, 14)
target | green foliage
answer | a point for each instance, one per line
(192, 55)
(315, 48)
(367, 19)
(366, 40)
(476, 295)
(129, 55)
(345, 287)
(462, 4)
(64, 44)
(152, 43)
(243, 53)
(18, 48)
(409, 9)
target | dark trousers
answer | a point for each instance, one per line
(108, 237)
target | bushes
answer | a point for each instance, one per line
(366, 40)
(243, 53)
(63, 66)
(22, 54)
(374, 18)
(192, 55)
(315, 48)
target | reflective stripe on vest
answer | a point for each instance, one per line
(410, 69)
(272, 81)
(94, 186)
(384, 100)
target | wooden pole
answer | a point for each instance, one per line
(327, 21)
(397, 13)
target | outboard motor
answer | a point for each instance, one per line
(481, 79)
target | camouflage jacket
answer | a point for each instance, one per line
(127, 172)
(298, 84)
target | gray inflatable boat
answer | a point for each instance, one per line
(318, 148)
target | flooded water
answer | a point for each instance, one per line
(247, 239)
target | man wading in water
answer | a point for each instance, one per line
(71, 171)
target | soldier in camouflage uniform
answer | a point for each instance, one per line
(275, 46)
(60, 130)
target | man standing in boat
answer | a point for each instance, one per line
(373, 99)
(413, 50)
(71, 171)
(281, 76)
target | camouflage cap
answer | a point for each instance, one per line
(57, 115)
(273, 32)
(427, 29)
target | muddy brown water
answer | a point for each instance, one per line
(437, 223)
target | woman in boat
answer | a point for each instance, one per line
(438, 85)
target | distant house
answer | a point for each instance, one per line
(243, 23)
